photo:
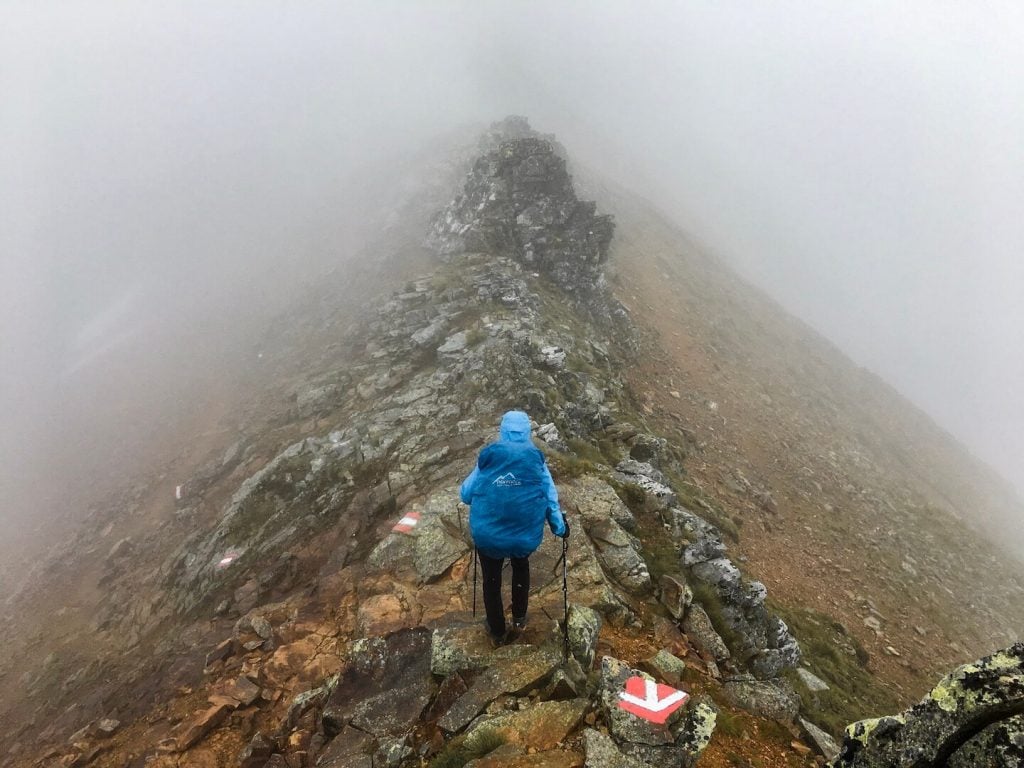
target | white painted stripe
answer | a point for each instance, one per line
(651, 701)
(408, 521)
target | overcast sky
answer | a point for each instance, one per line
(862, 162)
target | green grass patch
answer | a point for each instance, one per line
(566, 466)
(632, 495)
(708, 599)
(729, 723)
(838, 659)
(585, 450)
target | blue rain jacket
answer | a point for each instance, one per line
(511, 493)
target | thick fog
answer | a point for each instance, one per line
(170, 174)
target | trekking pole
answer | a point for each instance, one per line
(474, 582)
(565, 597)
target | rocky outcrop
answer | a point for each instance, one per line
(675, 743)
(519, 201)
(972, 717)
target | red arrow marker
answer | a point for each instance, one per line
(407, 523)
(650, 700)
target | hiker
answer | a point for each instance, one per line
(511, 494)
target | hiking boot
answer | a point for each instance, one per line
(517, 628)
(497, 639)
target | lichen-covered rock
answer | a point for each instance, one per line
(459, 647)
(584, 626)
(601, 752)
(761, 640)
(595, 500)
(619, 555)
(659, 496)
(540, 726)
(972, 698)
(697, 730)
(1000, 745)
(701, 540)
(625, 726)
(666, 667)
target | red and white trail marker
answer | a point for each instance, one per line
(407, 523)
(229, 557)
(650, 700)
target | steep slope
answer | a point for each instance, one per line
(273, 617)
(850, 500)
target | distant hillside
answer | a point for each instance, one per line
(874, 510)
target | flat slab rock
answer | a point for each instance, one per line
(601, 752)
(813, 683)
(465, 645)
(513, 676)
(773, 699)
(541, 726)
(349, 749)
(823, 743)
(385, 687)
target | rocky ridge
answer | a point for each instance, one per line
(327, 638)
(398, 667)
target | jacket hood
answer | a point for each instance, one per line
(515, 427)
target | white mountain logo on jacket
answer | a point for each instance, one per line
(508, 479)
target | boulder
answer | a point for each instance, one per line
(541, 726)
(385, 687)
(659, 496)
(1000, 745)
(625, 726)
(595, 500)
(698, 627)
(584, 627)
(516, 676)
(970, 700)
(349, 749)
(194, 730)
(619, 556)
(459, 646)
(675, 595)
(811, 681)
(256, 752)
(772, 699)
(824, 744)
(666, 667)
(601, 752)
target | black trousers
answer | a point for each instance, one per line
(492, 568)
